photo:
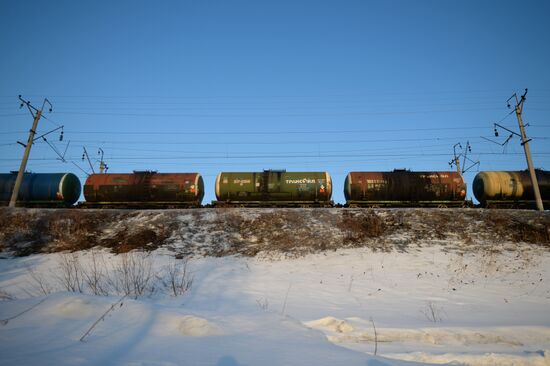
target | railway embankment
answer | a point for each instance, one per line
(251, 232)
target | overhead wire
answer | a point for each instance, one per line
(241, 115)
(370, 93)
(285, 156)
(278, 132)
(285, 142)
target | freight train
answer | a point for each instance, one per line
(276, 188)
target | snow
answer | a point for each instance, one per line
(428, 305)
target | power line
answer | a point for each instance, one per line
(278, 132)
(12, 114)
(366, 93)
(278, 156)
(411, 147)
(285, 142)
(250, 106)
(274, 132)
(52, 121)
(277, 115)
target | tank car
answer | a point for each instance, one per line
(400, 188)
(144, 189)
(41, 190)
(273, 188)
(511, 189)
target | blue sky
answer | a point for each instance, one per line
(214, 86)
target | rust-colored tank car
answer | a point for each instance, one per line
(144, 189)
(510, 188)
(404, 188)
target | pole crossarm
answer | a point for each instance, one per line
(47, 133)
(504, 128)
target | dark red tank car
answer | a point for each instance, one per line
(404, 188)
(144, 189)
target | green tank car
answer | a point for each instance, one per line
(274, 188)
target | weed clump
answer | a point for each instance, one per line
(360, 226)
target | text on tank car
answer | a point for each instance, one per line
(376, 181)
(303, 181)
(434, 176)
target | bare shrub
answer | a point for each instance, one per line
(39, 284)
(178, 277)
(96, 274)
(71, 273)
(263, 303)
(433, 312)
(133, 275)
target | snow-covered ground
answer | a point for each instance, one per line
(427, 305)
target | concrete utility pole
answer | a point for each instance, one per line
(28, 146)
(525, 143)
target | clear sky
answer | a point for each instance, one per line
(210, 86)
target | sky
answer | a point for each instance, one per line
(211, 86)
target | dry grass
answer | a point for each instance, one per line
(247, 232)
(26, 232)
(516, 229)
(130, 274)
(358, 226)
